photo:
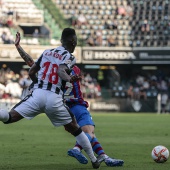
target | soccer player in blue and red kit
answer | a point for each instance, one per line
(74, 100)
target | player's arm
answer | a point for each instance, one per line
(26, 57)
(33, 71)
(62, 73)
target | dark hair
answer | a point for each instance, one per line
(67, 32)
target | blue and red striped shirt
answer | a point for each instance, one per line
(73, 94)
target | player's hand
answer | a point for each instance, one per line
(17, 39)
(75, 78)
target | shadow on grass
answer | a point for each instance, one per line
(48, 167)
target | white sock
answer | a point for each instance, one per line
(4, 115)
(106, 156)
(77, 148)
(83, 140)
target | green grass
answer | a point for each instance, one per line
(37, 145)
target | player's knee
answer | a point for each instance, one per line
(71, 127)
(90, 136)
(77, 132)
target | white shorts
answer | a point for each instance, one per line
(44, 101)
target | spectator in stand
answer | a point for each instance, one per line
(97, 90)
(91, 90)
(2, 90)
(121, 10)
(136, 92)
(162, 85)
(106, 25)
(35, 33)
(145, 26)
(81, 20)
(143, 89)
(139, 80)
(164, 102)
(1, 4)
(10, 12)
(129, 11)
(25, 83)
(130, 92)
(83, 90)
(73, 20)
(1, 22)
(113, 24)
(5, 38)
(4, 72)
(13, 88)
(98, 41)
(88, 78)
(9, 21)
(111, 41)
(90, 41)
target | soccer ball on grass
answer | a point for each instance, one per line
(160, 154)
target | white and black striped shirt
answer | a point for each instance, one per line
(49, 62)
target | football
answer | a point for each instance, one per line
(160, 154)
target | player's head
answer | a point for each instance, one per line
(69, 39)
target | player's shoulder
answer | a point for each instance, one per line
(76, 69)
(61, 50)
(47, 50)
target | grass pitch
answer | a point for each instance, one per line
(37, 145)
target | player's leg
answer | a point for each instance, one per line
(26, 108)
(102, 156)
(89, 131)
(59, 115)
(9, 117)
(85, 121)
(13, 115)
(97, 148)
(76, 150)
(79, 113)
(82, 139)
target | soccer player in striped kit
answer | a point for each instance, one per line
(78, 106)
(47, 74)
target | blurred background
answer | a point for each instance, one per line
(123, 49)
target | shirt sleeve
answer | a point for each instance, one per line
(69, 60)
(38, 61)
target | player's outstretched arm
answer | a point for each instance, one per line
(26, 57)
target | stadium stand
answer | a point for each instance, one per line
(133, 23)
(129, 22)
(25, 12)
(28, 13)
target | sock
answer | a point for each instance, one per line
(4, 115)
(97, 148)
(78, 147)
(82, 139)
(89, 137)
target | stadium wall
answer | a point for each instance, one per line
(125, 105)
(105, 56)
(96, 55)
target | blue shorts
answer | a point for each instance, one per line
(82, 115)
